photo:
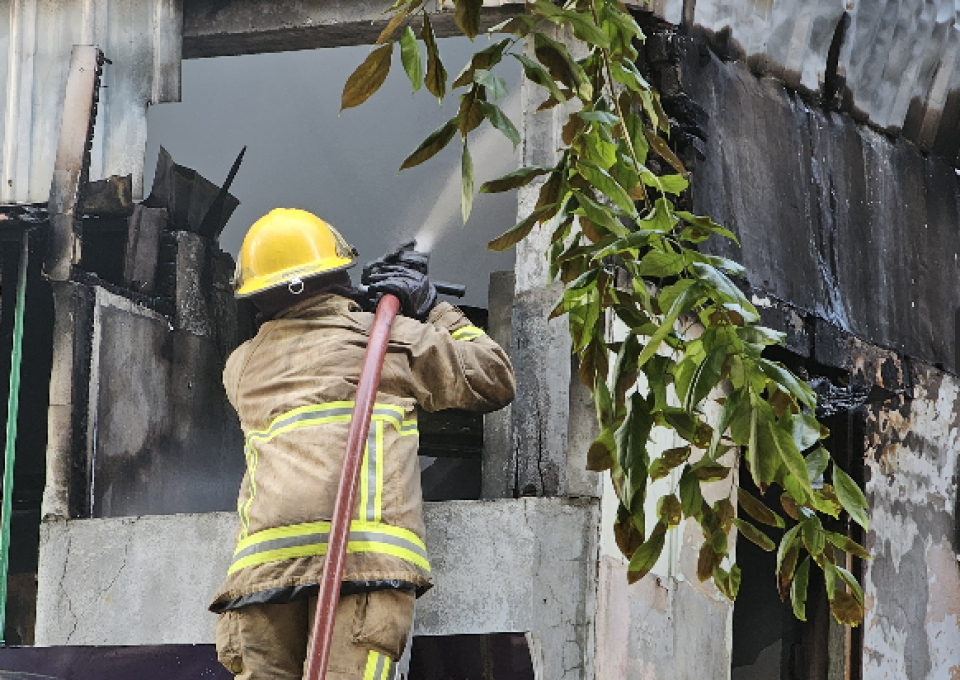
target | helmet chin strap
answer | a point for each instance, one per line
(295, 286)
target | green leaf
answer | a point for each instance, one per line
(500, 121)
(514, 180)
(646, 555)
(600, 454)
(787, 543)
(684, 301)
(520, 230)
(395, 21)
(764, 450)
(848, 545)
(600, 215)
(804, 429)
(691, 499)
(625, 369)
(817, 461)
(704, 222)
(788, 452)
(368, 77)
(496, 86)
(706, 377)
(603, 182)
(603, 117)
(467, 16)
(631, 438)
(726, 289)
(730, 408)
(758, 510)
(562, 66)
(586, 30)
(708, 472)
(661, 265)
(789, 382)
(538, 75)
(466, 183)
(669, 294)
(851, 497)
(753, 534)
(813, 536)
(668, 460)
(760, 335)
(659, 145)
(432, 145)
(674, 184)
(410, 57)
(669, 510)
(798, 590)
(484, 59)
(436, 78)
(852, 582)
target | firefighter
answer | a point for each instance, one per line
(292, 387)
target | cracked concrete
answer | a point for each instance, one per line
(525, 565)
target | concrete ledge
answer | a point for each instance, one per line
(505, 565)
(216, 28)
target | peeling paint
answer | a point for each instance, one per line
(912, 586)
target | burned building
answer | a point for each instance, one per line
(825, 134)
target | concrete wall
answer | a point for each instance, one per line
(162, 437)
(912, 586)
(833, 217)
(859, 232)
(526, 565)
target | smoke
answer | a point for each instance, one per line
(491, 156)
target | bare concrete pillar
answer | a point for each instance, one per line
(542, 420)
(499, 459)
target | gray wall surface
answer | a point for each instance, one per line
(912, 586)
(162, 437)
(833, 217)
(523, 565)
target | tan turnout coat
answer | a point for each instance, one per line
(293, 387)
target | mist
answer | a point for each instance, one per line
(301, 153)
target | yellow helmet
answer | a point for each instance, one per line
(285, 246)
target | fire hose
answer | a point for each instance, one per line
(328, 597)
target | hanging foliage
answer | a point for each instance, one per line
(691, 339)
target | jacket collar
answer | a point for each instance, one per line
(324, 304)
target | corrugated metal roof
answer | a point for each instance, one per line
(896, 66)
(141, 37)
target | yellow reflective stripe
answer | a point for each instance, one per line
(467, 333)
(365, 482)
(253, 460)
(319, 414)
(378, 667)
(291, 530)
(408, 427)
(310, 539)
(387, 549)
(336, 410)
(378, 462)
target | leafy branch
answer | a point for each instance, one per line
(688, 353)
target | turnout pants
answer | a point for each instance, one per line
(269, 641)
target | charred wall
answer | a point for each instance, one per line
(856, 227)
(850, 239)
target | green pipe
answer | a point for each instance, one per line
(10, 450)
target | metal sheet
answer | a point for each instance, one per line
(140, 37)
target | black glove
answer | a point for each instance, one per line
(403, 273)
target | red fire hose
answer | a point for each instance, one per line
(329, 596)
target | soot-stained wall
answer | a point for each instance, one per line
(856, 227)
(163, 438)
